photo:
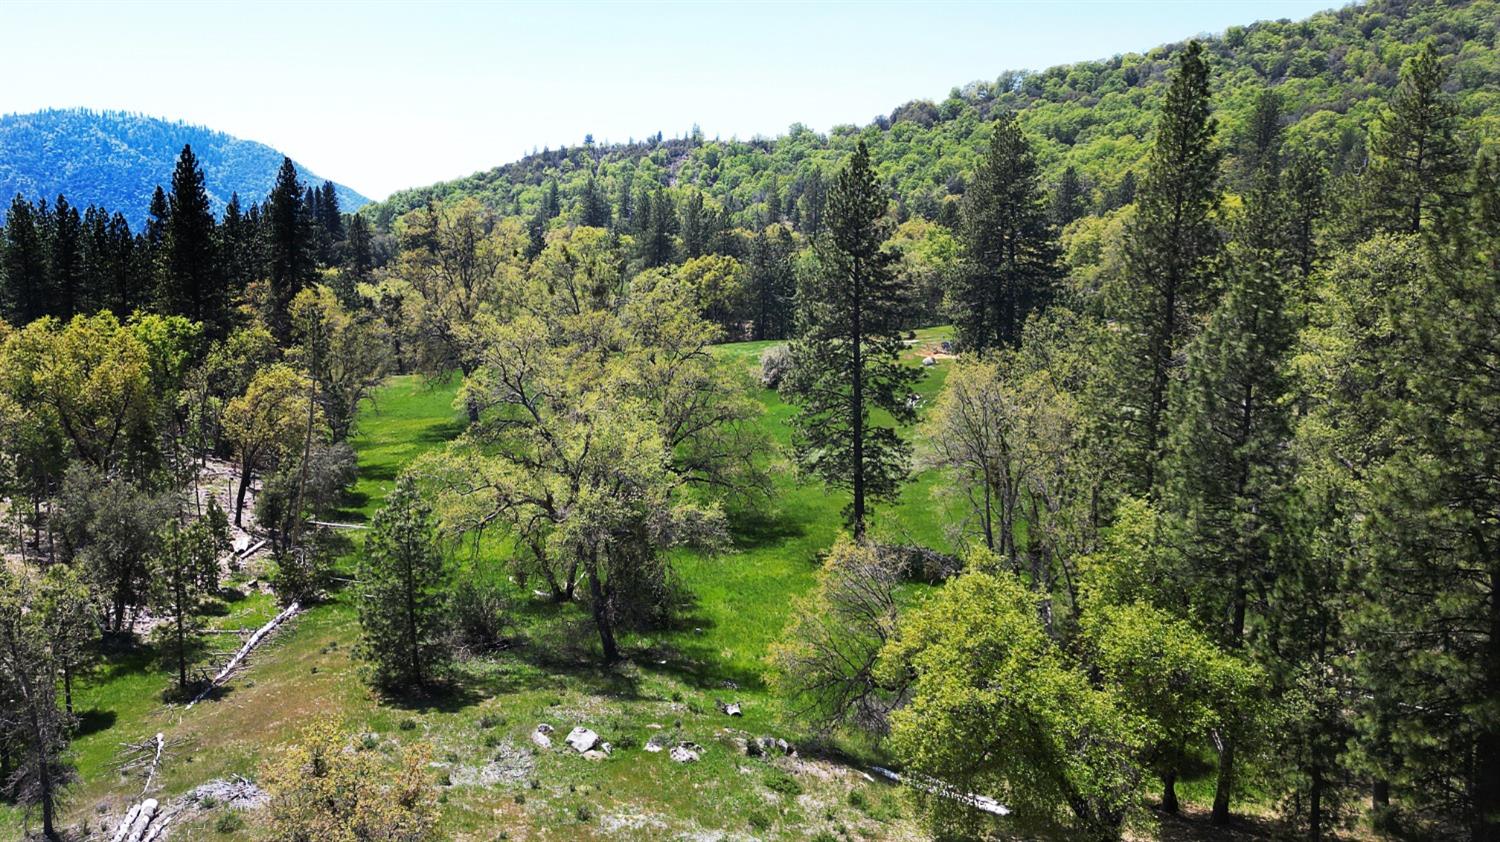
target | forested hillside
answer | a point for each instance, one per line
(116, 160)
(1333, 72)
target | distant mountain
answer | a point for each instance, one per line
(116, 159)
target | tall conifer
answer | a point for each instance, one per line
(1010, 267)
(1172, 255)
(847, 361)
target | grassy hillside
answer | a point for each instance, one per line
(480, 731)
(1334, 71)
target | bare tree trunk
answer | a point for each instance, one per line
(239, 496)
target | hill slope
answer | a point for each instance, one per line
(1334, 70)
(115, 160)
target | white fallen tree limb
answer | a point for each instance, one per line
(255, 639)
(332, 525)
(161, 744)
(983, 803)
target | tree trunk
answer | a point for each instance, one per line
(1220, 815)
(239, 495)
(1315, 806)
(181, 651)
(414, 654)
(1487, 774)
(601, 613)
(67, 672)
(857, 407)
(1169, 792)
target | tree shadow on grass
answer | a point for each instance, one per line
(757, 528)
(449, 696)
(93, 721)
(444, 431)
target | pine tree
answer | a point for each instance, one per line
(625, 202)
(1226, 474)
(697, 226)
(1303, 185)
(24, 297)
(96, 259)
(1431, 630)
(127, 273)
(65, 260)
(359, 260)
(156, 220)
(773, 282)
(1417, 162)
(654, 246)
(773, 201)
(1010, 248)
(402, 578)
(290, 242)
(811, 204)
(192, 281)
(1172, 256)
(551, 204)
(593, 208)
(847, 362)
(1067, 201)
(329, 214)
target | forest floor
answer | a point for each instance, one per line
(495, 784)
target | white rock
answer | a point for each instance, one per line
(657, 742)
(929, 361)
(582, 739)
(541, 739)
(685, 753)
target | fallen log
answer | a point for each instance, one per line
(136, 821)
(983, 803)
(255, 639)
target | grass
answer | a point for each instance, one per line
(480, 732)
(307, 672)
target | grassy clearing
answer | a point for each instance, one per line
(495, 782)
(480, 734)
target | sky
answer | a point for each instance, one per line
(383, 95)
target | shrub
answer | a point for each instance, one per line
(478, 617)
(778, 781)
(320, 790)
(775, 362)
(229, 823)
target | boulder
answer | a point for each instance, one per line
(658, 742)
(728, 708)
(582, 739)
(929, 361)
(685, 753)
(539, 736)
(769, 746)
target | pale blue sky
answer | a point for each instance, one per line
(382, 95)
